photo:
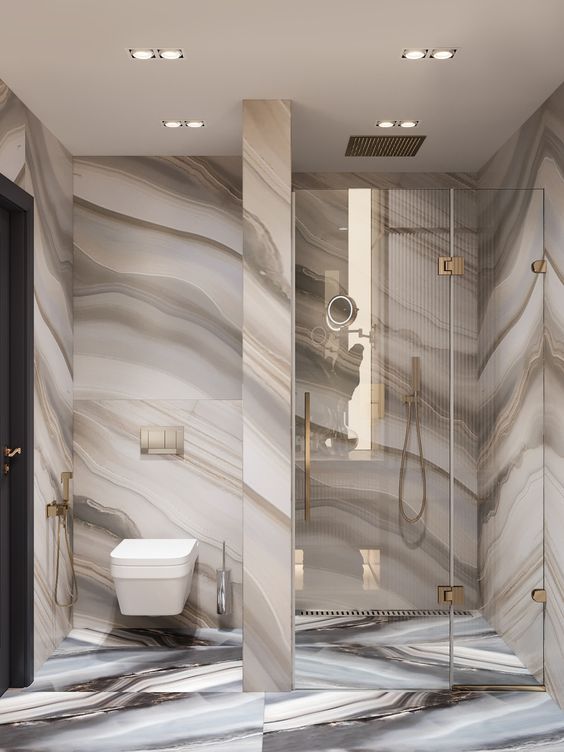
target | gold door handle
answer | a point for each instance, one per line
(12, 452)
(307, 456)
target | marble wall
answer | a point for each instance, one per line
(267, 395)
(158, 316)
(534, 158)
(32, 157)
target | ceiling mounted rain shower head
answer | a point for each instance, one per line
(384, 146)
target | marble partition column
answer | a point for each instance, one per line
(267, 396)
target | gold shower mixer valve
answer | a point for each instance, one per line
(60, 508)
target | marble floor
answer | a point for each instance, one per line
(401, 652)
(137, 690)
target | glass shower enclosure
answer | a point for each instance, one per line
(418, 558)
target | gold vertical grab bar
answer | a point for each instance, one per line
(307, 456)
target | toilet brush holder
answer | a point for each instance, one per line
(224, 602)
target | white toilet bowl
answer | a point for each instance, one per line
(153, 576)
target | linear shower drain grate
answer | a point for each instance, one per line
(372, 612)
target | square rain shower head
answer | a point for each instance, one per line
(384, 146)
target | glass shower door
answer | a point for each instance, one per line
(372, 514)
(498, 443)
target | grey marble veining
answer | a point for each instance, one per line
(401, 652)
(32, 157)
(12, 135)
(267, 395)
(131, 722)
(423, 721)
(157, 278)
(121, 494)
(90, 661)
(533, 158)
(48, 176)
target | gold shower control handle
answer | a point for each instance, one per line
(65, 480)
(12, 452)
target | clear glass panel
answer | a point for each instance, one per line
(498, 447)
(372, 375)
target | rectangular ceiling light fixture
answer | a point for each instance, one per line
(156, 53)
(384, 146)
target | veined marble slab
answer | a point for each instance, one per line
(158, 278)
(144, 661)
(267, 394)
(130, 722)
(401, 653)
(407, 721)
(12, 135)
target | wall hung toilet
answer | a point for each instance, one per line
(153, 576)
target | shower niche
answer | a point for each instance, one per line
(418, 438)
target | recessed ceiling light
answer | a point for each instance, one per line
(195, 123)
(141, 53)
(386, 123)
(171, 54)
(408, 123)
(443, 53)
(415, 54)
(173, 123)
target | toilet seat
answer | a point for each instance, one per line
(153, 552)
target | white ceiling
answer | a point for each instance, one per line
(338, 60)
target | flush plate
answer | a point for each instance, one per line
(162, 440)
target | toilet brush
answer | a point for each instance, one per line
(223, 588)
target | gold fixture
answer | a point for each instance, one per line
(57, 509)
(162, 440)
(9, 454)
(60, 509)
(307, 456)
(12, 452)
(452, 266)
(498, 688)
(65, 479)
(539, 266)
(539, 595)
(450, 594)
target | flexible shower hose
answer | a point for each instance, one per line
(62, 520)
(412, 402)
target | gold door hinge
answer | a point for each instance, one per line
(539, 266)
(450, 594)
(453, 266)
(539, 595)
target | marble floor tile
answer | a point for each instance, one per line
(131, 722)
(143, 661)
(398, 652)
(362, 721)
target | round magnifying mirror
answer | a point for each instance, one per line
(341, 310)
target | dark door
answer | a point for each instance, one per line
(4, 441)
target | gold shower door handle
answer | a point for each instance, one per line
(307, 456)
